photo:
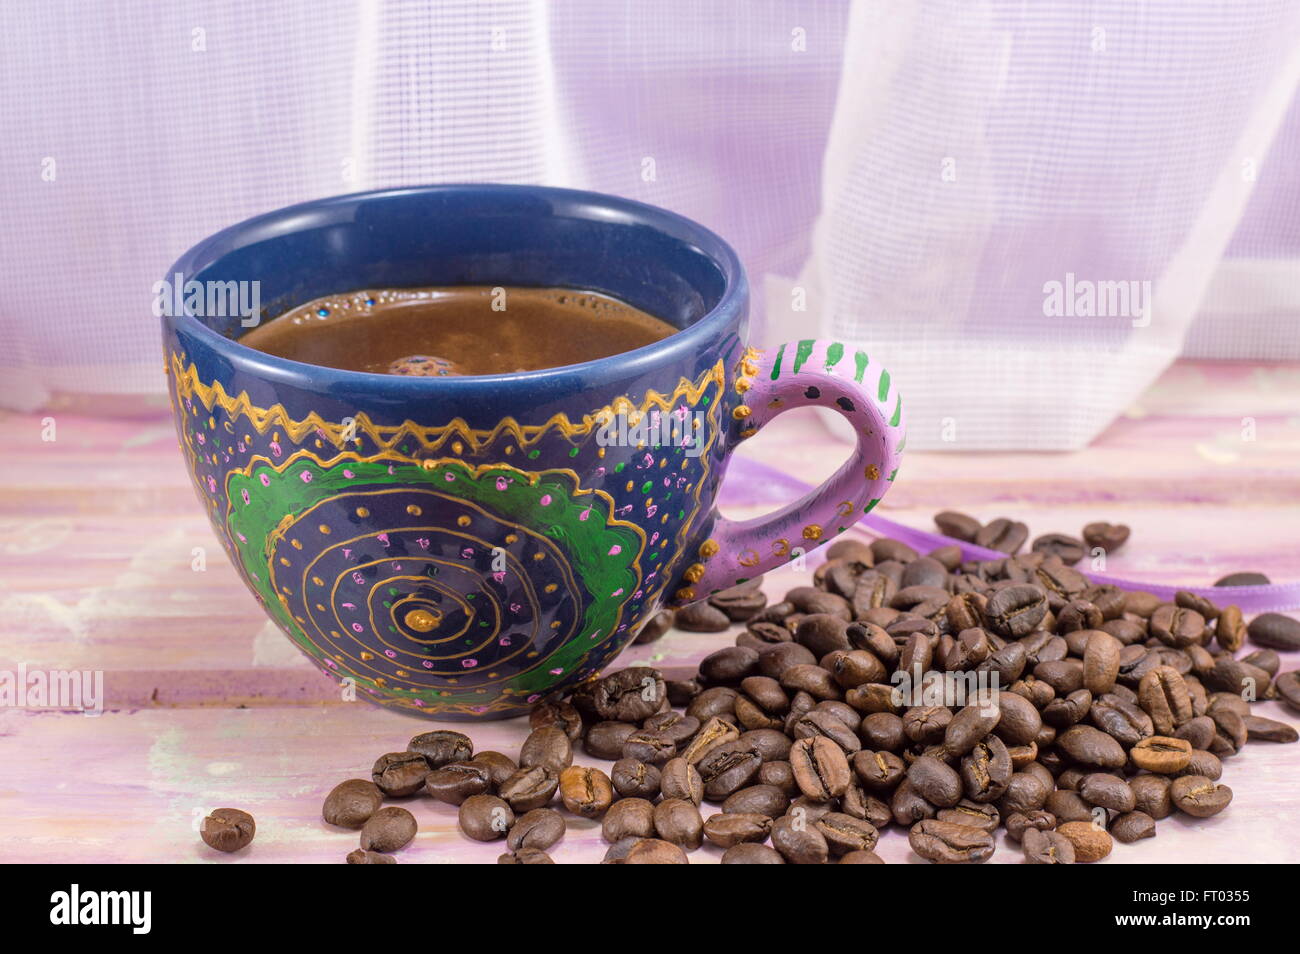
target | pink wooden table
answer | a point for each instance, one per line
(207, 705)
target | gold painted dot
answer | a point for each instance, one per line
(414, 510)
(872, 472)
(749, 432)
(283, 561)
(319, 608)
(742, 385)
(296, 544)
(741, 413)
(600, 452)
(428, 464)
(338, 657)
(380, 681)
(319, 442)
(686, 594)
(324, 528)
(421, 620)
(708, 548)
(300, 619)
(663, 463)
(335, 633)
(318, 581)
(275, 436)
(457, 447)
(462, 521)
(693, 573)
(555, 625)
(403, 673)
(665, 519)
(629, 486)
(812, 532)
(539, 555)
(363, 512)
(511, 538)
(551, 587)
(367, 656)
(509, 451)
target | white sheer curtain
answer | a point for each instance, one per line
(906, 176)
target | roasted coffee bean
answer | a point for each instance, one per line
(627, 818)
(935, 781)
(713, 702)
(1162, 693)
(799, 840)
(359, 856)
(1076, 615)
(1275, 631)
(1120, 719)
(630, 695)
(1015, 610)
(1089, 746)
(457, 781)
(1002, 534)
(1133, 826)
(655, 851)
(1100, 662)
(927, 572)
(1199, 732)
(485, 817)
(1265, 659)
(1243, 579)
(821, 769)
(654, 748)
(682, 691)
(822, 723)
(538, 829)
(966, 611)
(1063, 712)
(1107, 536)
(349, 804)
(728, 768)
(635, 779)
(986, 770)
(1199, 796)
(1259, 729)
(778, 775)
(1161, 754)
(604, 740)
(752, 854)
(1107, 791)
(442, 747)
(879, 772)
(946, 843)
(772, 744)
(760, 799)
(586, 791)
(1231, 734)
(971, 724)
(844, 833)
(729, 665)
(548, 747)
(970, 648)
(1237, 677)
(230, 829)
(617, 852)
(702, 617)
(1090, 842)
(1067, 806)
(499, 767)
(525, 856)
(973, 814)
(1025, 791)
(808, 600)
(959, 526)
(775, 660)
(1019, 722)
(812, 679)
(530, 788)
(728, 829)
(560, 715)
(1177, 627)
(1287, 685)
(388, 830)
(742, 602)
(655, 628)
(1069, 549)
(398, 774)
(712, 734)
(1151, 795)
(1047, 848)
(678, 821)
(1019, 823)
(1063, 675)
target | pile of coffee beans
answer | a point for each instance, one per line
(1091, 713)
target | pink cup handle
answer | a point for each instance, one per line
(801, 374)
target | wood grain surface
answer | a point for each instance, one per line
(108, 565)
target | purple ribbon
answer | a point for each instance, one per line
(753, 483)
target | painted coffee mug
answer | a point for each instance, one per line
(462, 547)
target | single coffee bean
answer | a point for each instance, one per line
(986, 770)
(1161, 754)
(1133, 826)
(1259, 729)
(1243, 579)
(740, 603)
(1287, 685)
(1090, 842)
(655, 748)
(1069, 549)
(1100, 662)
(1047, 848)
(1014, 611)
(530, 788)
(861, 858)
(1151, 795)
(1002, 534)
(678, 821)
(359, 856)
(1019, 823)
(548, 747)
(525, 856)
(349, 804)
(388, 829)
(758, 799)
(655, 851)
(228, 829)
(398, 774)
(1067, 806)
(729, 665)
(730, 767)
(1090, 746)
(702, 617)
(1162, 693)
(1107, 536)
(959, 526)
(1198, 732)
(1177, 627)
(727, 829)
(714, 703)
(442, 747)
(973, 814)
(680, 779)
(844, 833)
(949, 844)
(1107, 791)
(1199, 796)
(457, 781)
(604, 740)
(499, 767)
(655, 628)
(821, 769)
(935, 781)
(485, 817)
(538, 829)
(561, 715)
(630, 695)
(635, 779)
(1275, 631)
(586, 791)
(628, 817)
(752, 854)
(799, 841)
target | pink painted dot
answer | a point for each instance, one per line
(617, 592)
(356, 627)
(390, 654)
(467, 552)
(244, 495)
(584, 515)
(503, 641)
(427, 664)
(417, 702)
(242, 538)
(383, 538)
(534, 697)
(468, 663)
(499, 576)
(654, 536)
(276, 449)
(332, 664)
(557, 672)
(502, 483)
(266, 481)
(348, 474)
(306, 476)
(200, 438)
(449, 478)
(651, 510)
(212, 485)
(546, 500)
(515, 607)
(615, 550)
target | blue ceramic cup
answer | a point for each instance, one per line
(462, 547)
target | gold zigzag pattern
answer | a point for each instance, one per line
(429, 438)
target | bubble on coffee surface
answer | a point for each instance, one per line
(423, 366)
